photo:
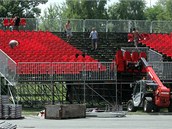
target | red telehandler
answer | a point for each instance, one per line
(151, 95)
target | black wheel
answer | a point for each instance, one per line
(130, 106)
(147, 106)
(170, 107)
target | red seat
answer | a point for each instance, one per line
(135, 57)
(129, 64)
(6, 22)
(11, 22)
(119, 61)
(23, 22)
(143, 54)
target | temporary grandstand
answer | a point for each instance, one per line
(44, 67)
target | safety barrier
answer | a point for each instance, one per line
(8, 67)
(66, 71)
(154, 56)
(102, 25)
(163, 69)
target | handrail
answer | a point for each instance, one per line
(8, 56)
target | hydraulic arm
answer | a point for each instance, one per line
(162, 93)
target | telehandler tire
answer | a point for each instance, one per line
(130, 106)
(147, 107)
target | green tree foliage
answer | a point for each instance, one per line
(22, 8)
(153, 13)
(161, 11)
(128, 9)
(84, 9)
(51, 18)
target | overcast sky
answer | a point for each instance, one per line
(149, 2)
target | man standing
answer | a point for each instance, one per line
(135, 37)
(16, 23)
(94, 37)
(68, 30)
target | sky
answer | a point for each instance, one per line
(44, 6)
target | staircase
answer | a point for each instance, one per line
(107, 44)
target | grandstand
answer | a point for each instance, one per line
(44, 64)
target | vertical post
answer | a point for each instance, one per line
(36, 24)
(60, 25)
(83, 23)
(62, 91)
(84, 78)
(151, 27)
(107, 30)
(129, 26)
(53, 100)
(84, 92)
(116, 86)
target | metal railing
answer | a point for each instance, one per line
(66, 71)
(163, 69)
(8, 67)
(102, 25)
(154, 56)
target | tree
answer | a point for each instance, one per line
(154, 13)
(161, 11)
(83, 9)
(51, 19)
(130, 9)
(22, 8)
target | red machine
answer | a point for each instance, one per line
(151, 95)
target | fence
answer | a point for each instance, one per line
(66, 71)
(102, 25)
(163, 70)
(8, 67)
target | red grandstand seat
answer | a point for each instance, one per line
(11, 22)
(119, 61)
(135, 57)
(127, 56)
(130, 37)
(80, 58)
(6, 22)
(129, 64)
(143, 54)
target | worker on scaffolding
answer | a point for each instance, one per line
(135, 37)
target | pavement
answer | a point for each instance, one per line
(147, 121)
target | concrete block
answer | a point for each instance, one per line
(65, 111)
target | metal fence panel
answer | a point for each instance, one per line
(8, 67)
(99, 24)
(52, 25)
(131, 49)
(34, 71)
(118, 26)
(162, 69)
(167, 71)
(66, 71)
(76, 25)
(154, 56)
(161, 26)
(158, 68)
(141, 25)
